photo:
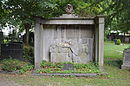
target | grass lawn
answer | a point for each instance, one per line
(113, 61)
(114, 51)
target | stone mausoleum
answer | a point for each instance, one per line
(69, 38)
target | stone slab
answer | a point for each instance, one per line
(126, 60)
(68, 67)
(71, 74)
(60, 57)
(125, 67)
(70, 52)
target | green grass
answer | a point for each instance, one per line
(117, 77)
(113, 61)
(114, 51)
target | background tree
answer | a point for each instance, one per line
(117, 14)
(22, 12)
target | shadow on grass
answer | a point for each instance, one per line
(115, 63)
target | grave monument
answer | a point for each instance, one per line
(69, 38)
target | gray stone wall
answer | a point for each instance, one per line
(77, 38)
(85, 37)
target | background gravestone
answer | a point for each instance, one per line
(126, 61)
(12, 50)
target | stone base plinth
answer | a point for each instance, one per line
(125, 67)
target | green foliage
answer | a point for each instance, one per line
(87, 9)
(26, 68)
(89, 65)
(45, 64)
(14, 65)
(128, 47)
(105, 38)
(28, 53)
(20, 12)
(6, 41)
(115, 63)
(117, 13)
(11, 64)
(49, 67)
(117, 41)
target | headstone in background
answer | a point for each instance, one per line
(126, 60)
(12, 50)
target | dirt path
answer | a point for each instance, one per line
(5, 82)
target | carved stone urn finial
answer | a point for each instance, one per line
(69, 9)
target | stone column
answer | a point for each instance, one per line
(37, 45)
(99, 40)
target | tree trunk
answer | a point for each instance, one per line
(124, 37)
(27, 27)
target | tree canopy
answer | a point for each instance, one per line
(21, 12)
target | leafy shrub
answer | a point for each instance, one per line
(14, 65)
(128, 47)
(28, 53)
(105, 38)
(26, 68)
(45, 64)
(117, 41)
(116, 63)
(90, 67)
(49, 67)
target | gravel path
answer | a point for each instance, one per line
(5, 82)
(8, 83)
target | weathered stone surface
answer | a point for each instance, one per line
(73, 30)
(68, 67)
(83, 53)
(69, 51)
(69, 9)
(127, 56)
(60, 57)
(60, 52)
(71, 74)
(126, 61)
